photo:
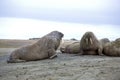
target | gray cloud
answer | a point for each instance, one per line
(110, 15)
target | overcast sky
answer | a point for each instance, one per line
(68, 16)
(80, 11)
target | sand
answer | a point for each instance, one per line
(63, 67)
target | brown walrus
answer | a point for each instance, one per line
(89, 45)
(104, 41)
(112, 48)
(72, 48)
(65, 43)
(118, 39)
(44, 48)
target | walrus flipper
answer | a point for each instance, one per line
(52, 53)
(53, 56)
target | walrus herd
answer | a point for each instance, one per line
(47, 45)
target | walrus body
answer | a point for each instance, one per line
(72, 48)
(118, 39)
(89, 45)
(64, 44)
(112, 49)
(44, 48)
(104, 41)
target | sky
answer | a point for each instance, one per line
(23, 19)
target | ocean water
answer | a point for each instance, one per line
(21, 28)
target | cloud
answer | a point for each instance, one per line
(21, 28)
(78, 11)
(63, 4)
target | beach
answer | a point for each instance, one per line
(63, 67)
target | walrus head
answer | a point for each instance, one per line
(89, 41)
(56, 34)
(12, 58)
(105, 40)
(88, 38)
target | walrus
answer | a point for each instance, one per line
(44, 48)
(89, 45)
(64, 44)
(112, 48)
(118, 39)
(104, 41)
(72, 48)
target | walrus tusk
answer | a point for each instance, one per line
(87, 41)
(91, 41)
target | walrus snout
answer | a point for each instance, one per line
(89, 41)
(61, 34)
(9, 60)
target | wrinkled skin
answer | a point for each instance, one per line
(104, 41)
(44, 48)
(89, 45)
(73, 48)
(112, 48)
